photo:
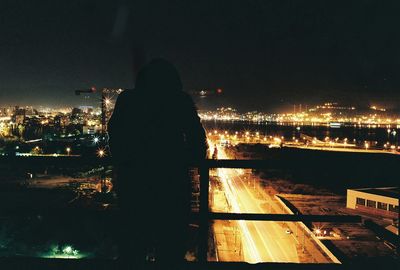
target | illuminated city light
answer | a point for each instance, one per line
(101, 152)
(314, 116)
(66, 252)
(96, 140)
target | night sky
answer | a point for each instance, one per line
(264, 54)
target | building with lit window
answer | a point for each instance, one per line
(377, 201)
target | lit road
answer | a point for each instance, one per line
(314, 144)
(261, 241)
(342, 149)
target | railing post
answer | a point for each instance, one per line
(204, 222)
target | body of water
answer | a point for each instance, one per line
(376, 136)
(336, 171)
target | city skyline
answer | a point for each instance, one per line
(281, 151)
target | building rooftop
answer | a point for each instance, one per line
(392, 192)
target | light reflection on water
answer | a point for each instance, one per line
(359, 133)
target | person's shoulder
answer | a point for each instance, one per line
(128, 95)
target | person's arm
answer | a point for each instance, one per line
(115, 127)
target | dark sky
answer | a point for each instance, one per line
(264, 54)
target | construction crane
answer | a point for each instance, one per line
(80, 91)
(105, 101)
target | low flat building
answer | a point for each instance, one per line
(376, 201)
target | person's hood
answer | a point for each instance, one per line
(158, 76)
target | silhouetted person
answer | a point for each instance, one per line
(154, 131)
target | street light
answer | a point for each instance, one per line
(101, 152)
(107, 101)
(96, 140)
(68, 149)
